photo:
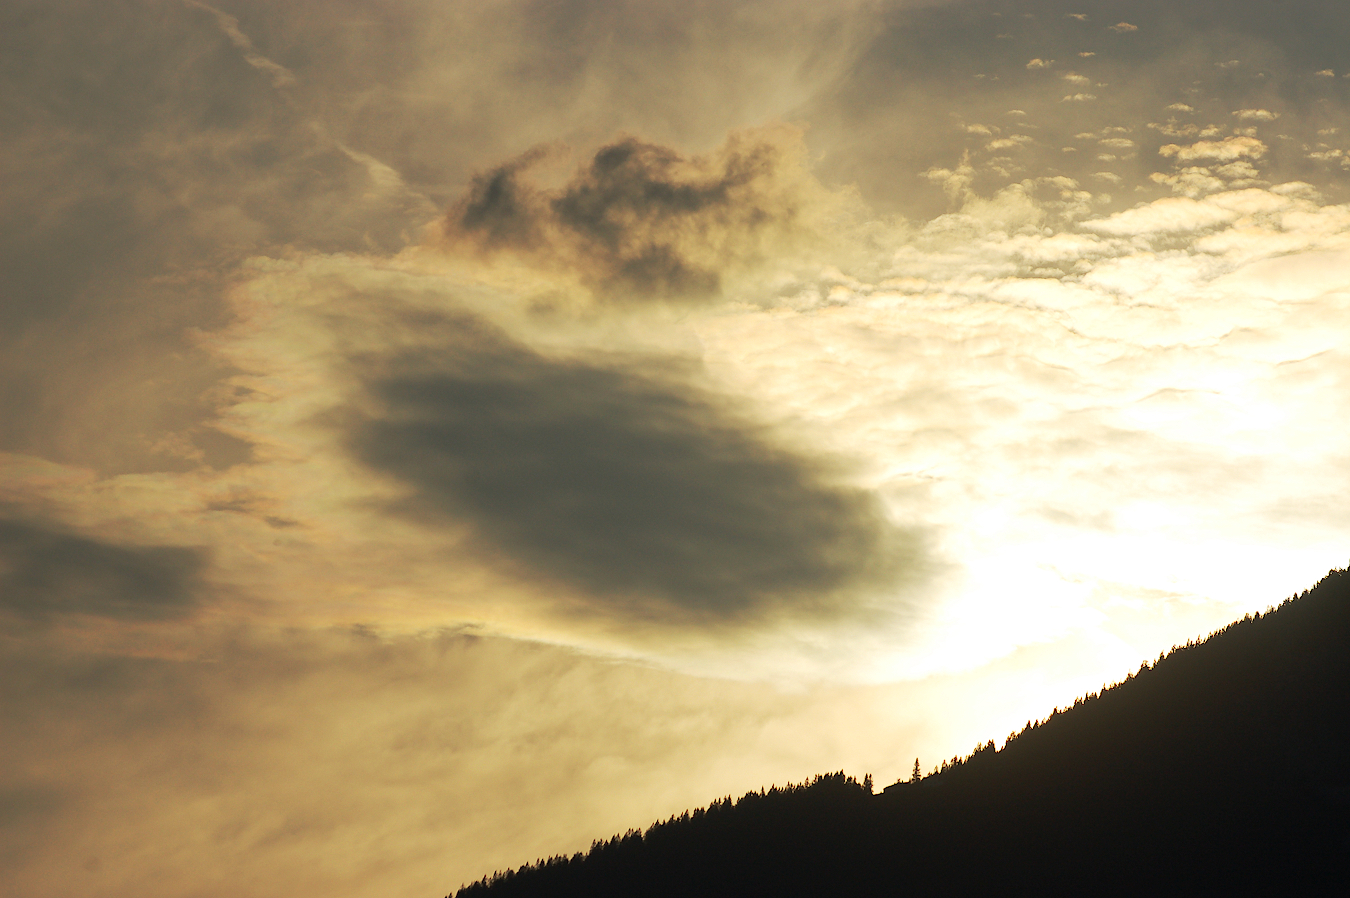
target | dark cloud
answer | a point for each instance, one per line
(45, 571)
(639, 493)
(634, 202)
(500, 210)
(640, 221)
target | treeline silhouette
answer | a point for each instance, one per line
(1221, 769)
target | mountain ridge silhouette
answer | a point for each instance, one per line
(1223, 768)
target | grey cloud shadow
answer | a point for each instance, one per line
(631, 489)
(46, 571)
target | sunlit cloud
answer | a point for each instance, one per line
(1229, 149)
(1256, 115)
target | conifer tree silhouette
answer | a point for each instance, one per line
(1219, 770)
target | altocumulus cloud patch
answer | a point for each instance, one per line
(641, 495)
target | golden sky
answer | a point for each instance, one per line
(434, 435)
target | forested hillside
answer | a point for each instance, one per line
(1223, 768)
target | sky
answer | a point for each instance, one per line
(435, 435)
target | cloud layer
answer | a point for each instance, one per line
(335, 332)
